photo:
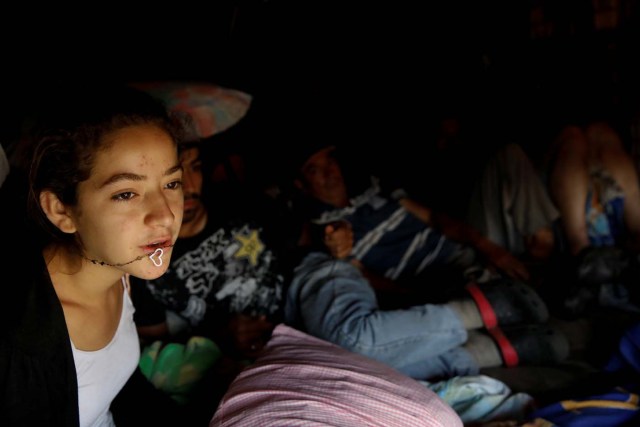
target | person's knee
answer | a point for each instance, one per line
(603, 136)
(605, 144)
(571, 163)
(572, 143)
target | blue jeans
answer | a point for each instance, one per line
(331, 300)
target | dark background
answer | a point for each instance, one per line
(364, 71)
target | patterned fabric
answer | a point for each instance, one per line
(617, 405)
(616, 408)
(604, 209)
(223, 270)
(301, 381)
(212, 108)
(387, 238)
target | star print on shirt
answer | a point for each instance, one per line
(250, 247)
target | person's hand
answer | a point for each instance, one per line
(338, 238)
(506, 262)
(250, 333)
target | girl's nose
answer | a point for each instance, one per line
(160, 213)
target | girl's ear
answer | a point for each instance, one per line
(298, 184)
(57, 212)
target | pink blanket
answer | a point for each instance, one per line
(301, 380)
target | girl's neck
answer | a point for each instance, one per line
(77, 279)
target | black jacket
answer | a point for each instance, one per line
(38, 382)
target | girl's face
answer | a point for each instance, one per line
(132, 203)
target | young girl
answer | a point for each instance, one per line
(104, 201)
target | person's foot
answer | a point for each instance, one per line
(531, 344)
(598, 265)
(505, 302)
(518, 345)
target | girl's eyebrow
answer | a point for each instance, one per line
(174, 169)
(128, 176)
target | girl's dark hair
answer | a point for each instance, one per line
(62, 150)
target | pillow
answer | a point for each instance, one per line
(300, 380)
(212, 108)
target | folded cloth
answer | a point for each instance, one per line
(480, 399)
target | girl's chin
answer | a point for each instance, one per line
(152, 273)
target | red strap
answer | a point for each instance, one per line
(509, 354)
(486, 311)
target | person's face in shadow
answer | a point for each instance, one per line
(195, 213)
(321, 178)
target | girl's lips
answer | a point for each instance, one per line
(149, 249)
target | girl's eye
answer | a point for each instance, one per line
(127, 195)
(174, 185)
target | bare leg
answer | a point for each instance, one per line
(569, 184)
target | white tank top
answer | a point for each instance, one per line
(103, 373)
